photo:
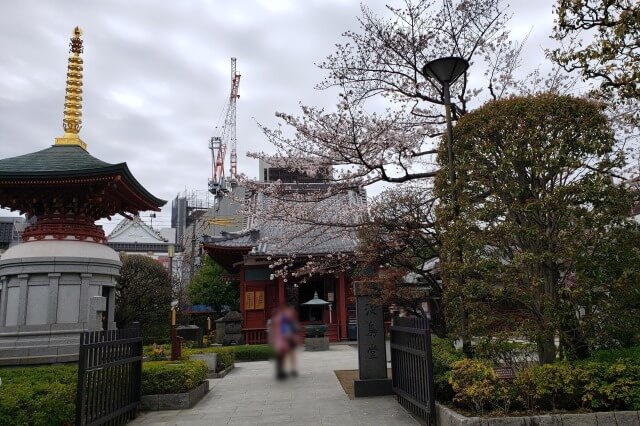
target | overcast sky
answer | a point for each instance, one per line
(157, 75)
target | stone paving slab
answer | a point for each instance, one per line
(249, 395)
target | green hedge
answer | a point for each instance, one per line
(162, 377)
(612, 355)
(253, 352)
(586, 385)
(38, 396)
(43, 396)
(505, 352)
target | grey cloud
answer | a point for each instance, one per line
(157, 75)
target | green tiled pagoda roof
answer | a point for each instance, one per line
(58, 159)
(67, 161)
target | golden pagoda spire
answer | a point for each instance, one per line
(72, 121)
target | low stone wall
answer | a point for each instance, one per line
(174, 401)
(222, 373)
(316, 344)
(448, 417)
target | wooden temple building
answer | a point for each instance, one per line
(249, 256)
(61, 280)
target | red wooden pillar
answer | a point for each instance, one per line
(281, 295)
(243, 290)
(342, 305)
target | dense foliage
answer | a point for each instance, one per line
(601, 41)
(607, 287)
(533, 194)
(253, 352)
(43, 396)
(161, 377)
(209, 287)
(400, 236)
(608, 384)
(38, 396)
(444, 355)
(144, 294)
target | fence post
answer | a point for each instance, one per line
(81, 388)
(430, 378)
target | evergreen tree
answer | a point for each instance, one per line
(534, 192)
(209, 287)
(144, 294)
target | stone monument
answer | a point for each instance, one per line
(372, 352)
(232, 329)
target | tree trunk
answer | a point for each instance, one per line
(467, 349)
(546, 349)
(438, 321)
(572, 337)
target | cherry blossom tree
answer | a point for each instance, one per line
(388, 117)
(385, 128)
(400, 236)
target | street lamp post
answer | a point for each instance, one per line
(171, 251)
(446, 71)
(176, 345)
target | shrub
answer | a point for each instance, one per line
(38, 395)
(226, 356)
(588, 384)
(161, 377)
(315, 330)
(613, 386)
(253, 352)
(444, 356)
(156, 352)
(474, 384)
(557, 384)
(505, 352)
(613, 355)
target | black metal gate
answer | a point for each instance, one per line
(412, 367)
(109, 377)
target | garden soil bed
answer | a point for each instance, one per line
(346, 378)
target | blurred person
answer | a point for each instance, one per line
(284, 335)
(293, 338)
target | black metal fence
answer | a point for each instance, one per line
(412, 367)
(109, 377)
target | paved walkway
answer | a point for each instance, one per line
(249, 395)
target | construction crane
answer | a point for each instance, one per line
(218, 144)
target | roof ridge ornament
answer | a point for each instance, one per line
(72, 121)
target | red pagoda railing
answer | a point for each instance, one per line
(255, 336)
(61, 226)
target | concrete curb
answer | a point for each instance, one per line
(221, 374)
(174, 401)
(448, 417)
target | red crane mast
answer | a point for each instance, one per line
(218, 144)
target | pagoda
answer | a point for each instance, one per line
(61, 280)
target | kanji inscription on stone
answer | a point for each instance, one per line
(372, 354)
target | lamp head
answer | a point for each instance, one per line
(446, 70)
